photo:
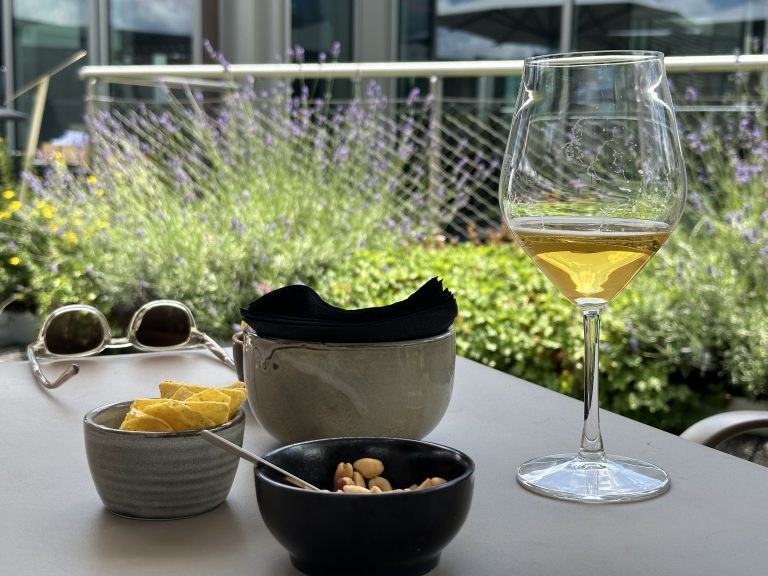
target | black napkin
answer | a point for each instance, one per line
(299, 313)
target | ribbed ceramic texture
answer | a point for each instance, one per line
(158, 475)
(306, 390)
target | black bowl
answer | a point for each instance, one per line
(402, 533)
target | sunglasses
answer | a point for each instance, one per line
(80, 330)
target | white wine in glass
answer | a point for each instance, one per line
(592, 185)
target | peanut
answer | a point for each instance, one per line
(343, 469)
(358, 478)
(343, 481)
(430, 482)
(354, 489)
(369, 467)
(381, 483)
(351, 478)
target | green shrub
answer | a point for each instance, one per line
(215, 205)
(512, 319)
(507, 318)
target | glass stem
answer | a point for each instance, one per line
(591, 440)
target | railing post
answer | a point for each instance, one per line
(35, 123)
(435, 179)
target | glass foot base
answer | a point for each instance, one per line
(602, 479)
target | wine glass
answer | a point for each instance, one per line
(592, 185)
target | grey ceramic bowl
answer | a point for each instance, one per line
(306, 390)
(158, 475)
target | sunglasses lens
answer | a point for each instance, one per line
(74, 332)
(164, 326)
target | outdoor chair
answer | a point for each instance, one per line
(715, 429)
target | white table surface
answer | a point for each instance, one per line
(714, 520)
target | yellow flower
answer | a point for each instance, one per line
(52, 228)
(47, 213)
(4, 214)
(15, 205)
(40, 204)
(77, 222)
(91, 180)
(70, 237)
(14, 260)
(102, 223)
(99, 192)
(8, 194)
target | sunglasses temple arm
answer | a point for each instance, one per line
(40, 377)
(218, 351)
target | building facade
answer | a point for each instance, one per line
(36, 35)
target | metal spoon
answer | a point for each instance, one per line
(224, 444)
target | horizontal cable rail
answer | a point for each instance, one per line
(674, 64)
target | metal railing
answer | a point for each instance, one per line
(453, 131)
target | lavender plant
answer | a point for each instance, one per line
(216, 203)
(707, 319)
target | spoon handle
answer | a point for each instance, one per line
(251, 457)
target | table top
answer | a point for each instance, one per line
(714, 520)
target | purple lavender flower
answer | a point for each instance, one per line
(696, 201)
(299, 54)
(413, 95)
(336, 50)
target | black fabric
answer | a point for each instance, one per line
(299, 313)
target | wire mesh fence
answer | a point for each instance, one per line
(448, 150)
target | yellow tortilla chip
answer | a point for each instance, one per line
(141, 403)
(209, 394)
(168, 388)
(236, 398)
(138, 420)
(236, 392)
(178, 415)
(182, 393)
(216, 412)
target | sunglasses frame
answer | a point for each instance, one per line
(39, 349)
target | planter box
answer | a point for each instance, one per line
(18, 328)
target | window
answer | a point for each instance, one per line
(675, 27)
(45, 33)
(317, 24)
(151, 31)
(482, 30)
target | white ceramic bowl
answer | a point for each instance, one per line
(306, 390)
